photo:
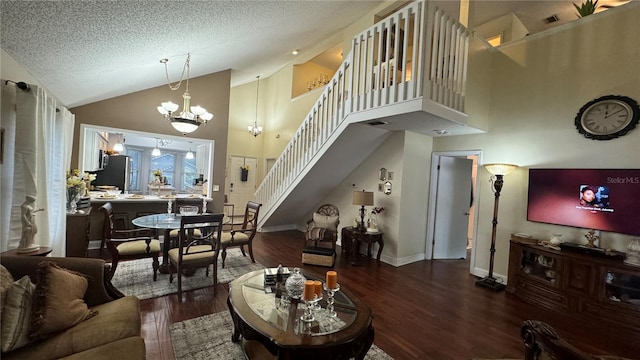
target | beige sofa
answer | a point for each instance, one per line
(114, 333)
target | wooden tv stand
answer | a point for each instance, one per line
(596, 288)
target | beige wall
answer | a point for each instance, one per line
(539, 84)
(137, 111)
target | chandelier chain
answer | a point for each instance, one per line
(184, 69)
(257, 96)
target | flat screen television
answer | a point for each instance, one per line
(601, 199)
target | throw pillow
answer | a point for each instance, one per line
(16, 317)
(315, 233)
(59, 300)
(325, 222)
(6, 280)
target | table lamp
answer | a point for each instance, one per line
(498, 171)
(362, 198)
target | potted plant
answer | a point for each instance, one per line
(588, 7)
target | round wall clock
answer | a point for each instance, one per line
(607, 117)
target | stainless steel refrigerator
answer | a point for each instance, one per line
(117, 172)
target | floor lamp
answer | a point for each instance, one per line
(498, 171)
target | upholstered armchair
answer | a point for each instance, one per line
(323, 226)
(542, 342)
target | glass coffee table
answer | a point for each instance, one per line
(259, 316)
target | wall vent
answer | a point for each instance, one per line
(377, 122)
(551, 19)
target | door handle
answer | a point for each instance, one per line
(467, 213)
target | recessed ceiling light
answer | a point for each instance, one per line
(294, 52)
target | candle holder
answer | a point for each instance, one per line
(316, 303)
(170, 209)
(309, 306)
(204, 204)
(330, 299)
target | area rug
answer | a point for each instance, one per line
(209, 337)
(135, 277)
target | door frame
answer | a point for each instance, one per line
(433, 188)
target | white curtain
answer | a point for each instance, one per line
(38, 135)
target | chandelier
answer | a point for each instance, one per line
(254, 129)
(191, 117)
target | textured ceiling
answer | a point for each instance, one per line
(85, 51)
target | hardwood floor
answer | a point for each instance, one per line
(424, 310)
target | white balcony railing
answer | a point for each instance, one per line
(411, 54)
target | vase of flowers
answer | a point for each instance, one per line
(75, 189)
(158, 177)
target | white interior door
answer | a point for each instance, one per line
(453, 200)
(240, 192)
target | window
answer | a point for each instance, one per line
(166, 163)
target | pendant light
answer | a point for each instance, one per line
(119, 145)
(156, 150)
(254, 129)
(191, 117)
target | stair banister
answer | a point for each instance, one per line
(367, 80)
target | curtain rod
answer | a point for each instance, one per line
(23, 86)
(20, 85)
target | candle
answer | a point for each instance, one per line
(318, 288)
(332, 279)
(309, 290)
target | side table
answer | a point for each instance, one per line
(42, 251)
(351, 237)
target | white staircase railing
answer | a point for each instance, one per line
(413, 53)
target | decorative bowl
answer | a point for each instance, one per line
(188, 210)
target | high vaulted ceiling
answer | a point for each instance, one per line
(85, 51)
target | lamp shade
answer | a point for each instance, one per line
(364, 198)
(184, 126)
(500, 169)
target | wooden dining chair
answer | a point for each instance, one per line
(244, 235)
(128, 244)
(196, 251)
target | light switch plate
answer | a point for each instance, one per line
(216, 187)
(390, 175)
